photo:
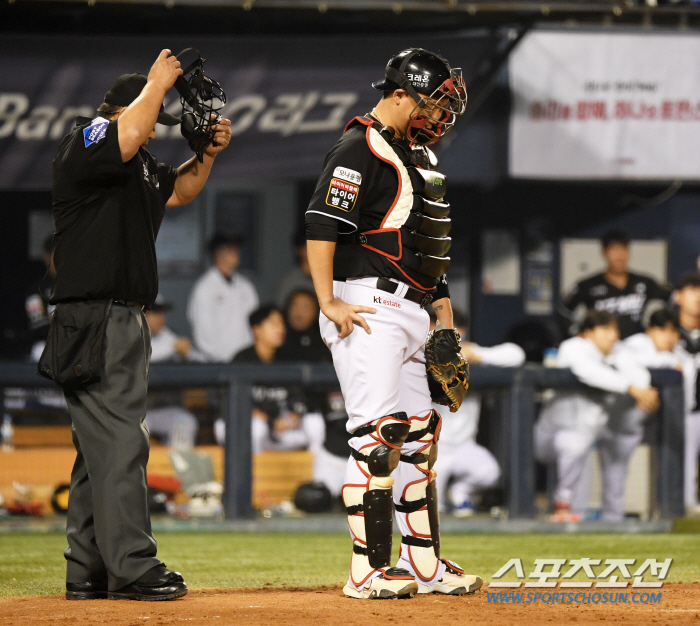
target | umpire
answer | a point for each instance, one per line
(109, 198)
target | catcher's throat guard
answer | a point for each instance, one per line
(202, 98)
(448, 370)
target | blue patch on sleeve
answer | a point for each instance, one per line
(96, 131)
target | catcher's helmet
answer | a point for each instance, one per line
(437, 88)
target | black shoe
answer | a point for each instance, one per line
(158, 583)
(87, 591)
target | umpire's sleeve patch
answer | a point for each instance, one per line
(342, 195)
(96, 131)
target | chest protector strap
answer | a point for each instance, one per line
(421, 242)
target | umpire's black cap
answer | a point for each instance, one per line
(127, 89)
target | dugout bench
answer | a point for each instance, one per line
(516, 392)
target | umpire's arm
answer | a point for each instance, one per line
(192, 174)
(137, 121)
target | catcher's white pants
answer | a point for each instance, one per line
(380, 374)
(370, 368)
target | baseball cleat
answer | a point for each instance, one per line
(562, 513)
(454, 582)
(398, 583)
(466, 509)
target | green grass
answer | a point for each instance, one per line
(33, 564)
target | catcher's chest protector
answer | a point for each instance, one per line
(414, 232)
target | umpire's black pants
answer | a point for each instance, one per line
(109, 526)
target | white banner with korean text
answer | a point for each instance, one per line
(605, 106)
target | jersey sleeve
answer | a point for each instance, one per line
(92, 157)
(167, 176)
(343, 183)
(503, 355)
(655, 291)
(586, 363)
(571, 310)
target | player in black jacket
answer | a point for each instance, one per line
(631, 297)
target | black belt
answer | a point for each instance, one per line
(143, 307)
(412, 294)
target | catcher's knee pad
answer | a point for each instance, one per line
(381, 456)
(419, 499)
(370, 505)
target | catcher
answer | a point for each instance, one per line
(377, 239)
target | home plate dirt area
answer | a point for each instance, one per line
(679, 604)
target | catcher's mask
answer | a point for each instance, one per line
(202, 98)
(437, 88)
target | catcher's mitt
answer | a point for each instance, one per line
(448, 370)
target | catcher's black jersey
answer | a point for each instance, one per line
(358, 188)
(690, 342)
(627, 304)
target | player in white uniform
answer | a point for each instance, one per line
(687, 297)
(220, 303)
(463, 464)
(376, 238)
(166, 418)
(611, 414)
(658, 347)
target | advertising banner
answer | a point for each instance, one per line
(289, 98)
(605, 106)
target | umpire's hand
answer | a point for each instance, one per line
(165, 70)
(222, 137)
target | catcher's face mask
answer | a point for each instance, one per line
(202, 98)
(437, 88)
(435, 115)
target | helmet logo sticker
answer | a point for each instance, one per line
(418, 80)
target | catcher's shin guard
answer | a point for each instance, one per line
(421, 547)
(369, 505)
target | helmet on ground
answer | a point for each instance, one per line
(437, 88)
(313, 498)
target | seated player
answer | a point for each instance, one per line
(328, 439)
(37, 301)
(659, 347)
(687, 297)
(166, 418)
(303, 341)
(464, 468)
(609, 414)
(277, 411)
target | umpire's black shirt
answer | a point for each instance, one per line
(107, 215)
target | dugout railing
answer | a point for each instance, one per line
(515, 391)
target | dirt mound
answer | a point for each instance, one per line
(679, 604)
